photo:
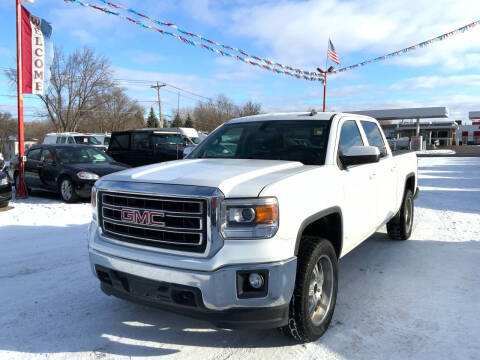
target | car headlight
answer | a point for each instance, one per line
(4, 181)
(249, 218)
(93, 202)
(85, 175)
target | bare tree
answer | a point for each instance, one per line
(8, 125)
(210, 115)
(76, 81)
(113, 111)
(249, 108)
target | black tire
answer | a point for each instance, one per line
(400, 227)
(301, 324)
(4, 204)
(66, 189)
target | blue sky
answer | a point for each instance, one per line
(291, 32)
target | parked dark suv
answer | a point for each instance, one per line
(70, 170)
(147, 146)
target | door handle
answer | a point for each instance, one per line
(372, 176)
(393, 169)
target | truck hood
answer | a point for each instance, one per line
(234, 177)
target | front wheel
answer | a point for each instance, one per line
(67, 191)
(315, 293)
(400, 227)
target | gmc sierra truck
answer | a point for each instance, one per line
(247, 230)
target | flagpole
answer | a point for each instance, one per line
(325, 81)
(20, 192)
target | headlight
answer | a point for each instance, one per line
(93, 202)
(4, 181)
(85, 175)
(249, 218)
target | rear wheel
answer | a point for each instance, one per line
(4, 204)
(315, 293)
(401, 226)
(67, 190)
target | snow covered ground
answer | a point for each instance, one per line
(417, 299)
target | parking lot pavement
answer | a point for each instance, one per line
(416, 299)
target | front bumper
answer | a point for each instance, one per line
(211, 295)
(83, 188)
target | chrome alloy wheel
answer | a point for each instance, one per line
(320, 290)
(408, 214)
(66, 189)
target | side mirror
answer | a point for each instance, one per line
(358, 155)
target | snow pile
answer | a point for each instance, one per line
(414, 299)
(436, 152)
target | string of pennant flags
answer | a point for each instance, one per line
(298, 73)
(213, 42)
(244, 56)
(410, 48)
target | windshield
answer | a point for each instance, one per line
(81, 155)
(87, 140)
(304, 141)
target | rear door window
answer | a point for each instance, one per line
(141, 141)
(70, 140)
(374, 136)
(120, 142)
(349, 136)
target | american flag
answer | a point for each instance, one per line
(332, 54)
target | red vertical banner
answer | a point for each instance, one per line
(37, 53)
(26, 52)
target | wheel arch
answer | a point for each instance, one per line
(410, 183)
(327, 224)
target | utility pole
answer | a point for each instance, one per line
(158, 86)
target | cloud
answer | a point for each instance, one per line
(145, 58)
(84, 36)
(297, 32)
(431, 82)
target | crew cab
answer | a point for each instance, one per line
(247, 230)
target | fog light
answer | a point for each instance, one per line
(255, 280)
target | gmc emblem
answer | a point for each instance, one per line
(144, 218)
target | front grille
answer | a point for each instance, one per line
(156, 221)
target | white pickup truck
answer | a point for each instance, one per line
(247, 231)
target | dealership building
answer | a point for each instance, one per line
(470, 134)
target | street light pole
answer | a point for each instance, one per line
(158, 86)
(20, 191)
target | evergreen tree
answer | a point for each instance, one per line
(177, 121)
(152, 121)
(189, 122)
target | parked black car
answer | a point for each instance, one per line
(147, 146)
(5, 186)
(70, 170)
